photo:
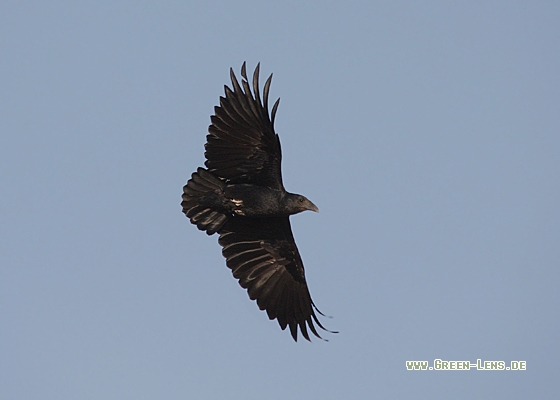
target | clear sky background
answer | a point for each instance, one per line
(428, 134)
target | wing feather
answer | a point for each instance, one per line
(264, 258)
(273, 295)
(242, 146)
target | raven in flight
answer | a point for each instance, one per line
(240, 196)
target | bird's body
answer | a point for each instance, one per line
(259, 201)
(241, 197)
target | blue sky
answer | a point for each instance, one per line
(428, 134)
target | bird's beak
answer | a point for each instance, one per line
(312, 207)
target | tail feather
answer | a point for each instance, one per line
(204, 216)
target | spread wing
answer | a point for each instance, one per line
(242, 146)
(264, 258)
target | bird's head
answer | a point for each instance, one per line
(297, 203)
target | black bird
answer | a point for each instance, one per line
(241, 197)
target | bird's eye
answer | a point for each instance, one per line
(301, 200)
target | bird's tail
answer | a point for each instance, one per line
(197, 201)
